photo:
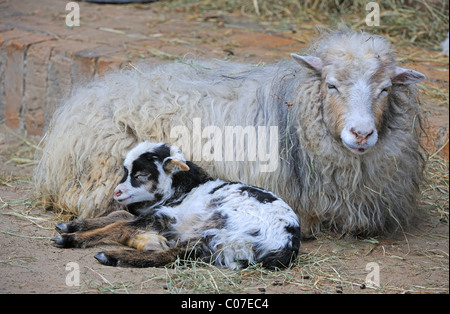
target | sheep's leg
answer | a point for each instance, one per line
(131, 258)
(93, 223)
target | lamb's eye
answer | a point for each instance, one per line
(142, 177)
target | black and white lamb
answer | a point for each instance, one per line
(182, 212)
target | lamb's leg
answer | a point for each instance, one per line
(93, 223)
(124, 232)
(130, 258)
(117, 232)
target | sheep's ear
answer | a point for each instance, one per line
(314, 63)
(171, 165)
(405, 76)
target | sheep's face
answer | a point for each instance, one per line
(148, 170)
(353, 105)
(354, 93)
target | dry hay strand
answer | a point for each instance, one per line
(435, 193)
(421, 21)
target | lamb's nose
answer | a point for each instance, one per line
(117, 193)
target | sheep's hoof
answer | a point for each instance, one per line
(107, 260)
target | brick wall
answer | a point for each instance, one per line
(37, 71)
(41, 58)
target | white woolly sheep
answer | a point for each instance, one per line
(347, 147)
(183, 212)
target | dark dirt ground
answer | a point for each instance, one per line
(413, 261)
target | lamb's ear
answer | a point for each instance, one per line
(405, 76)
(314, 63)
(171, 165)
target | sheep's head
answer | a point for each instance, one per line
(148, 172)
(357, 73)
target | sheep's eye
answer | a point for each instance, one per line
(331, 86)
(384, 91)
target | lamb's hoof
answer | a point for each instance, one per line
(68, 227)
(107, 260)
(62, 227)
(64, 241)
(58, 242)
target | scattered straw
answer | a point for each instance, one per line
(428, 29)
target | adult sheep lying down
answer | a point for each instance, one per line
(346, 144)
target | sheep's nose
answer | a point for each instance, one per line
(361, 136)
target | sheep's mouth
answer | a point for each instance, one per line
(358, 150)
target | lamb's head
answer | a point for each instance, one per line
(148, 171)
(357, 72)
